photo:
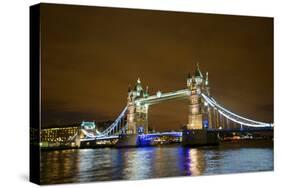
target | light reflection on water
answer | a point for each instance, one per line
(86, 165)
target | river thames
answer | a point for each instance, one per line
(104, 164)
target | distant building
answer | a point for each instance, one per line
(88, 129)
(88, 124)
(58, 136)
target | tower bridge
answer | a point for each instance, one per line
(206, 117)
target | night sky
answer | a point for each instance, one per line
(90, 55)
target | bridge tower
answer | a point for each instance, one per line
(195, 115)
(199, 113)
(137, 116)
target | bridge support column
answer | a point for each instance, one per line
(131, 116)
(217, 119)
(210, 119)
(142, 119)
(129, 140)
(241, 127)
(214, 119)
(222, 122)
(216, 123)
(227, 123)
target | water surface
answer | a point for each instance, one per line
(87, 165)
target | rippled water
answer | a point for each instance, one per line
(85, 165)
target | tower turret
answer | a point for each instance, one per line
(145, 94)
(138, 88)
(188, 80)
(197, 71)
(207, 79)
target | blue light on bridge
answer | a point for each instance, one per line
(206, 123)
(140, 130)
(145, 140)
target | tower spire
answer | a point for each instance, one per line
(129, 88)
(197, 71)
(145, 94)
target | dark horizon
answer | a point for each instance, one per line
(90, 55)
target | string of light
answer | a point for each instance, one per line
(224, 112)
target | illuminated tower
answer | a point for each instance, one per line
(199, 116)
(137, 115)
(196, 84)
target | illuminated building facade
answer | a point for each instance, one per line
(58, 136)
